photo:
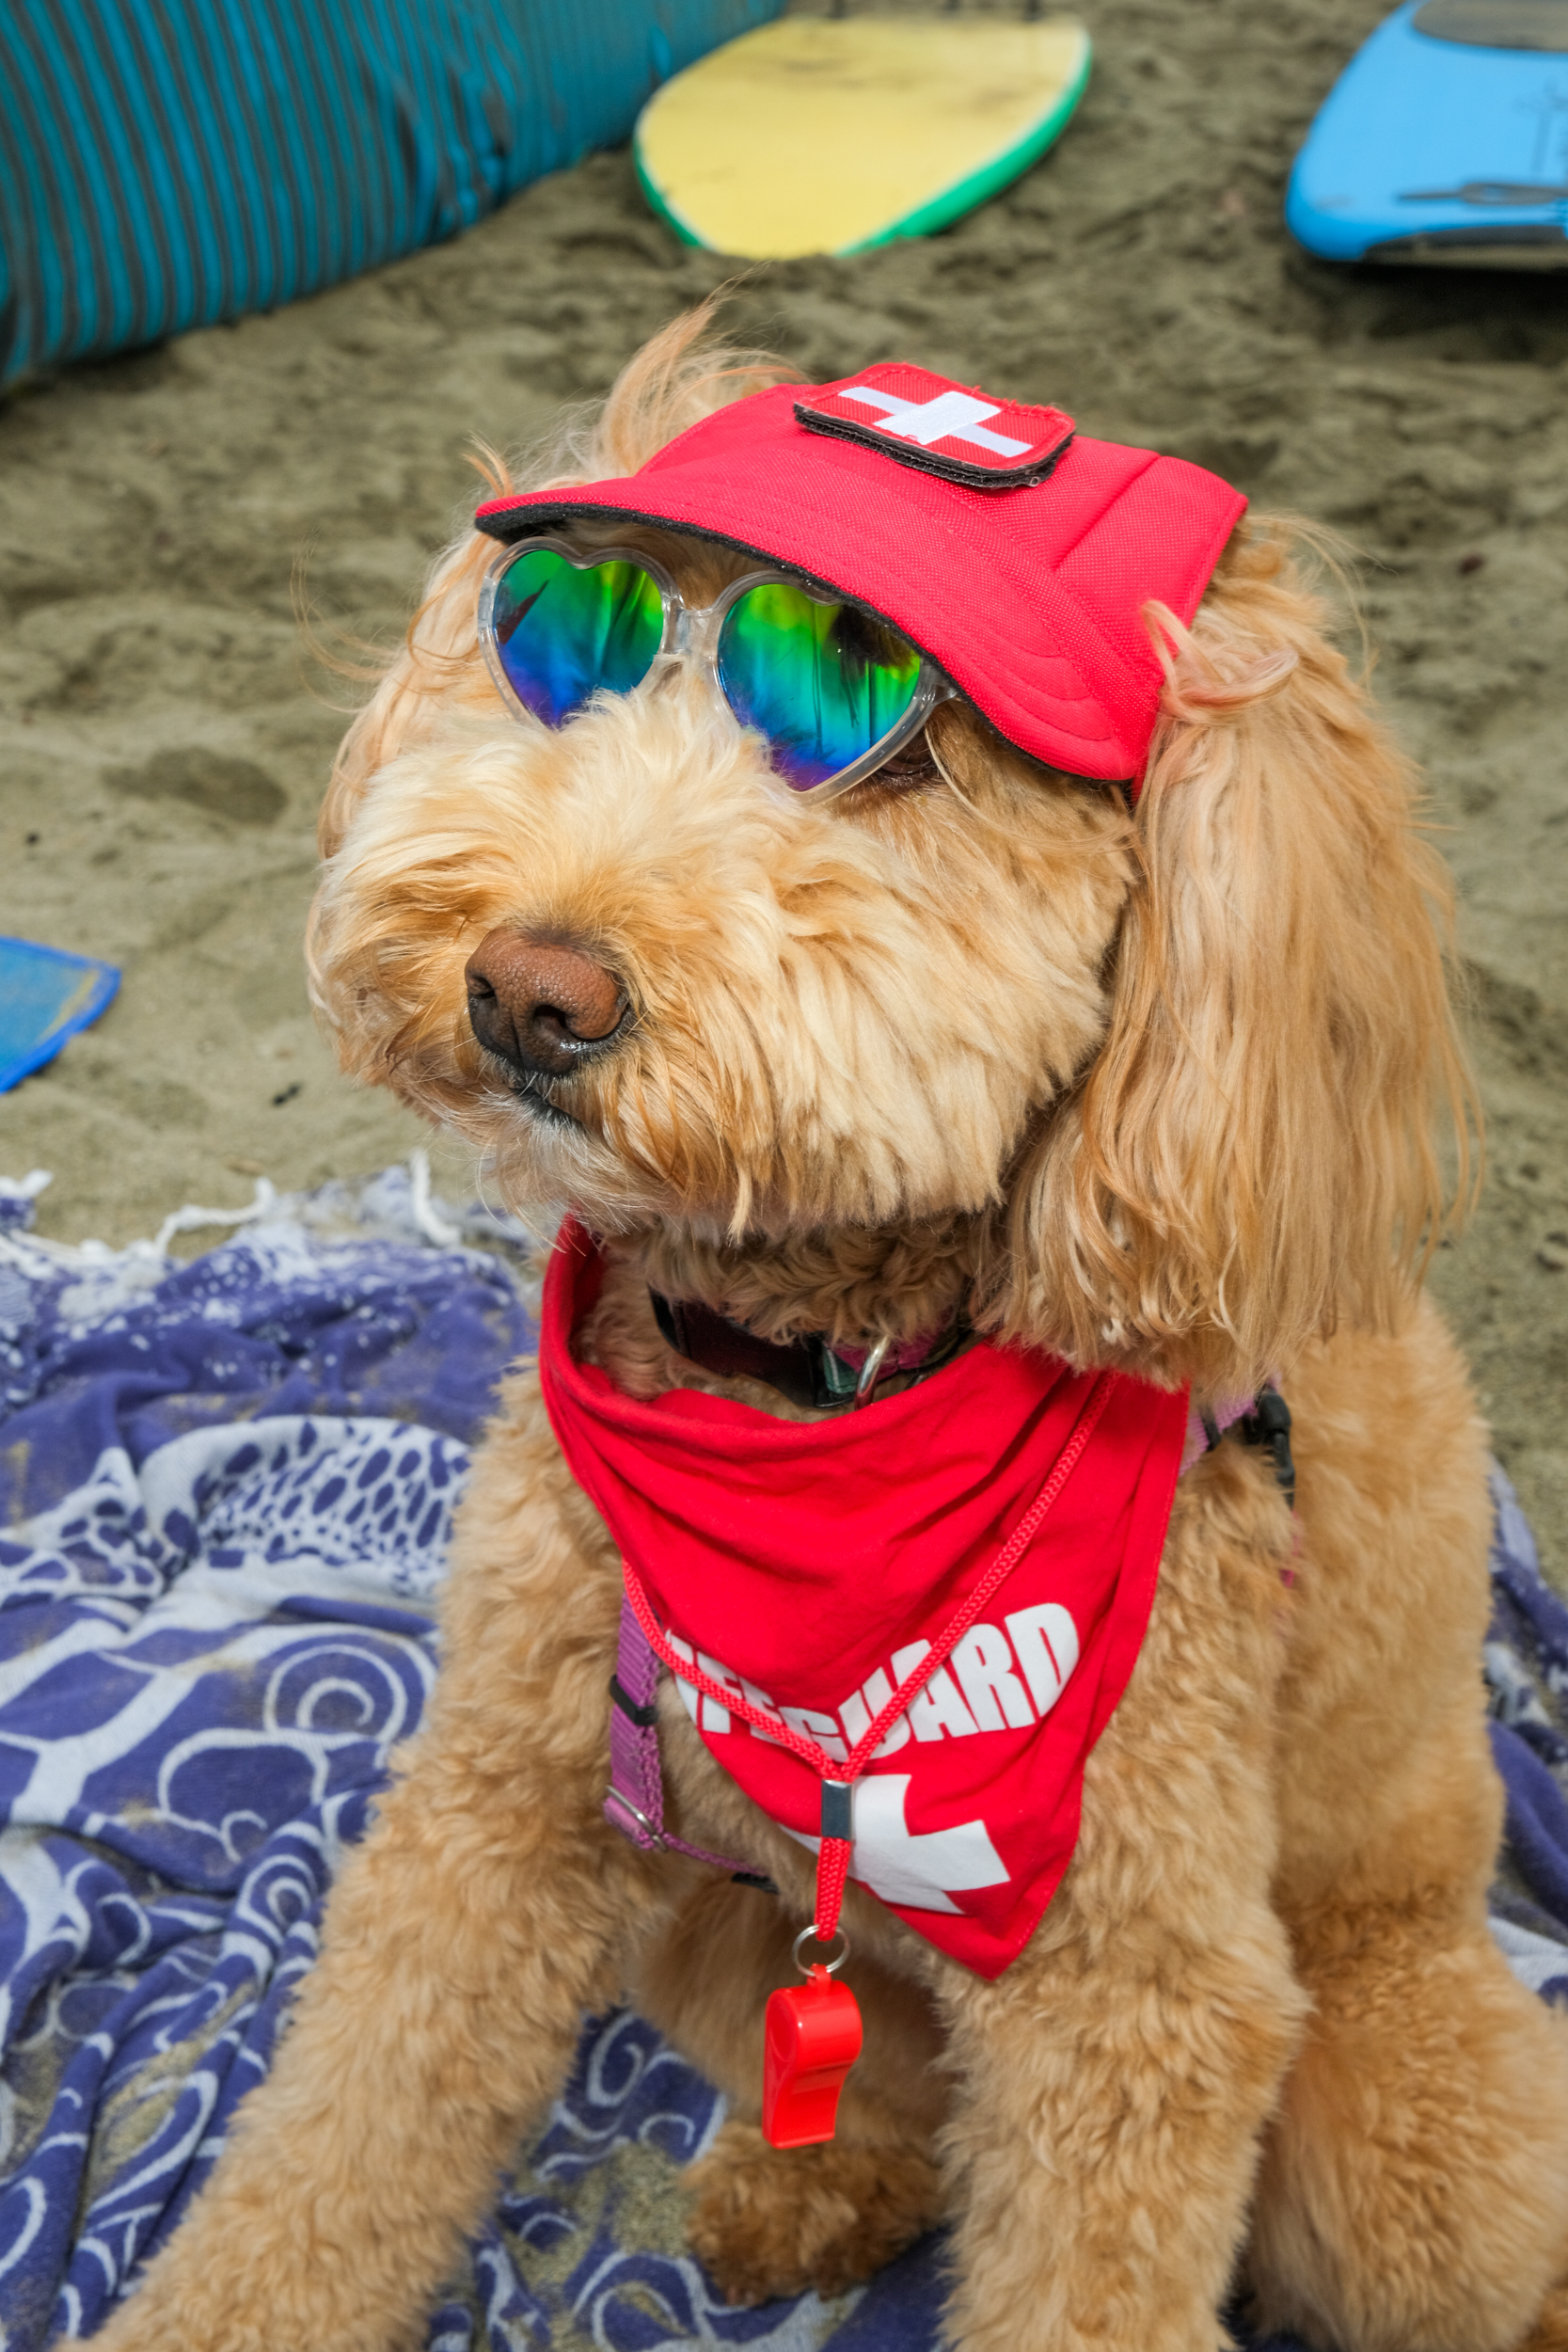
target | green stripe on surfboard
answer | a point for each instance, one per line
(833, 136)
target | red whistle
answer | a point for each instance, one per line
(812, 2039)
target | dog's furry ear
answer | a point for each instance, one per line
(677, 377)
(1252, 1155)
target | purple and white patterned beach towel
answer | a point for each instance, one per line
(227, 1488)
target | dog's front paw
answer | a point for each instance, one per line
(768, 2222)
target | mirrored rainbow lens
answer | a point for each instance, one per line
(823, 682)
(562, 632)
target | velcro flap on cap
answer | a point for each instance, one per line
(953, 430)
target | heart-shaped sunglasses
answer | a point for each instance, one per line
(834, 690)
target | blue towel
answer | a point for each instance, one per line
(228, 1488)
(45, 996)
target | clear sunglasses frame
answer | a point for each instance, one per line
(690, 636)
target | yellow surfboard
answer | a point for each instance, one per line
(818, 135)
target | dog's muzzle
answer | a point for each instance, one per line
(542, 1007)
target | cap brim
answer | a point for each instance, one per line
(1031, 609)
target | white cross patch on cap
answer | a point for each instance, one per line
(953, 430)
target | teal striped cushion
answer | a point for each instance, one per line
(167, 164)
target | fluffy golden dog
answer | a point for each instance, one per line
(1153, 1086)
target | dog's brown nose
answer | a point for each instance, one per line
(541, 1006)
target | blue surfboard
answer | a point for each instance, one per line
(1444, 140)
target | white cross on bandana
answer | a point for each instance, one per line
(952, 430)
(916, 1871)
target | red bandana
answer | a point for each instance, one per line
(809, 1566)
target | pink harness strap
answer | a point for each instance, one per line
(1205, 1430)
(634, 1802)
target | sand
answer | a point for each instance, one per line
(163, 733)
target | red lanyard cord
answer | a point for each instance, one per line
(832, 1862)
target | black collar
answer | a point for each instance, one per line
(805, 1370)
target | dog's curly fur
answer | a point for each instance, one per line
(1154, 1088)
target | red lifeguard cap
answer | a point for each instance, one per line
(1012, 550)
